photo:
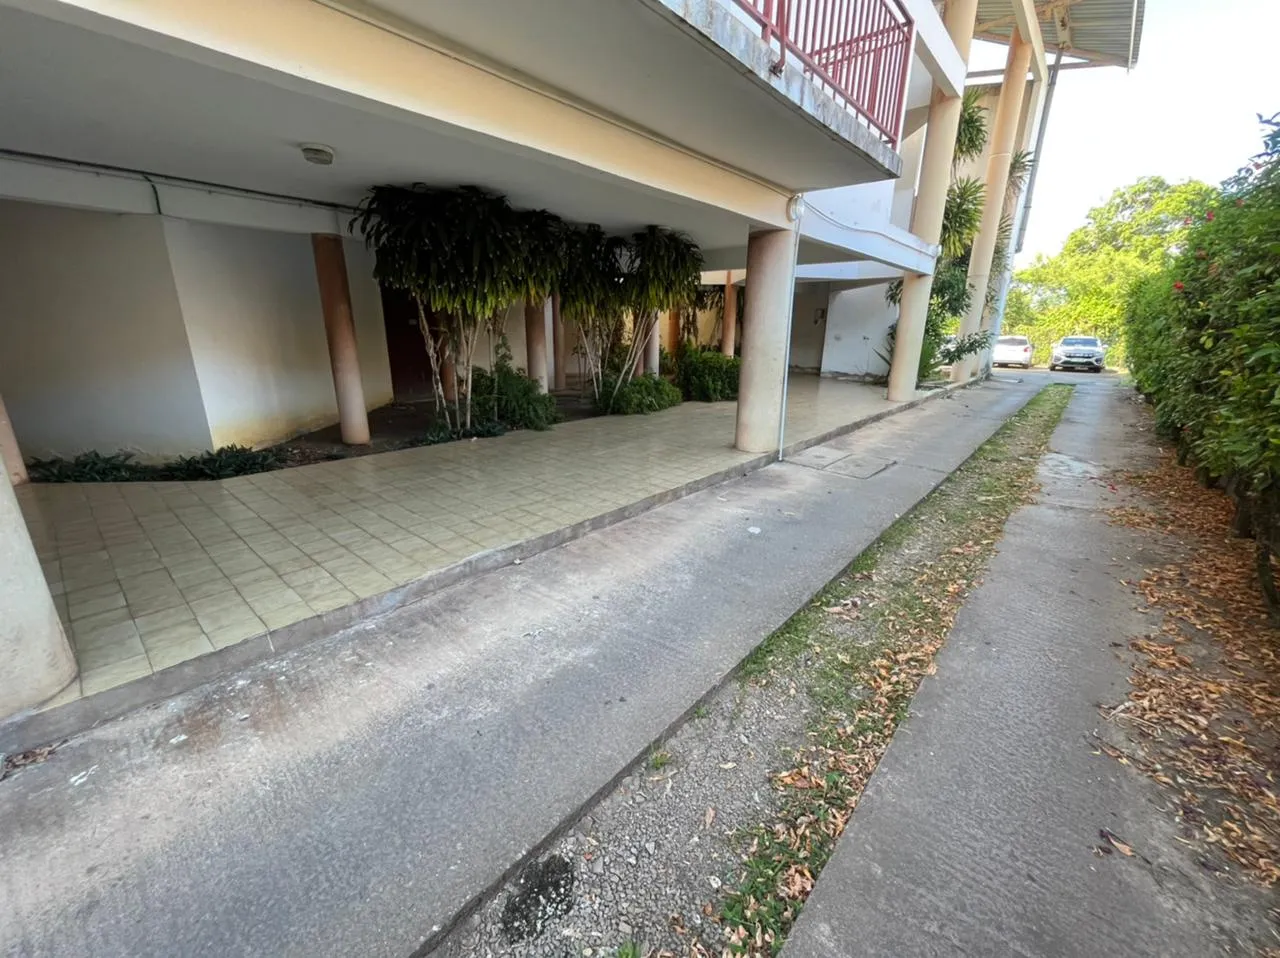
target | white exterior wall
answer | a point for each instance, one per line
(809, 325)
(858, 322)
(93, 352)
(251, 306)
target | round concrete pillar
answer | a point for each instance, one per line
(35, 658)
(766, 329)
(1004, 130)
(535, 342)
(560, 342)
(653, 348)
(926, 218)
(729, 325)
(340, 331)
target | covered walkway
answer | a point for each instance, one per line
(150, 575)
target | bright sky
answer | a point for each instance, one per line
(1188, 110)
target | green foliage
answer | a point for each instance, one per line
(963, 346)
(962, 215)
(460, 250)
(90, 467)
(641, 395)
(706, 375)
(223, 463)
(1083, 289)
(971, 135)
(1203, 335)
(663, 270)
(666, 362)
(507, 396)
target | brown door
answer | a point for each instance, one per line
(410, 368)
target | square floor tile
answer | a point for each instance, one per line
(98, 680)
(173, 653)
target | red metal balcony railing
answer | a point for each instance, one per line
(859, 50)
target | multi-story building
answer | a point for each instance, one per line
(177, 179)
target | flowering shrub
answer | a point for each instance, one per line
(1204, 344)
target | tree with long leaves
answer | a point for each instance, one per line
(458, 252)
(592, 296)
(663, 269)
(390, 219)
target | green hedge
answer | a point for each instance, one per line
(643, 394)
(1203, 340)
(705, 375)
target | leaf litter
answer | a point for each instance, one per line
(1204, 702)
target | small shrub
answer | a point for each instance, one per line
(222, 463)
(644, 394)
(705, 375)
(89, 467)
(510, 397)
(485, 429)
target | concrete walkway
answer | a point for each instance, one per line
(352, 796)
(976, 834)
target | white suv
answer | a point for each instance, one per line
(1078, 352)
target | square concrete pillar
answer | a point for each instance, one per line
(766, 332)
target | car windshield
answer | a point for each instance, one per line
(1080, 341)
(1012, 340)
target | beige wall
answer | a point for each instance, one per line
(93, 352)
(251, 307)
(858, 322)
(809, 325)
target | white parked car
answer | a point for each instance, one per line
(1012, 351)
(1078, 352)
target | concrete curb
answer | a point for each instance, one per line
(29, 729)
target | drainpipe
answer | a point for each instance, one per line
(1039, 147)
(786, 354)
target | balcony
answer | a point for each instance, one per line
(803, 94)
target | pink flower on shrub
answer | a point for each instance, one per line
(1209, 216)
(1178, 285)
(1187, 221)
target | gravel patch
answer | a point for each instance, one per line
(649, 861)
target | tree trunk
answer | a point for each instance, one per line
(429, 340)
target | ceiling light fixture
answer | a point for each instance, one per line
(317, 153)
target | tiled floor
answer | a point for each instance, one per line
(147, 575)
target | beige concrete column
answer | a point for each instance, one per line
(560, 344)
(653, 346)
(35, 658)
(766, 330)
(931, 201)
(535, 341)
(340, 330)
(17, 468)
(1003, 135)
(729, 325)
